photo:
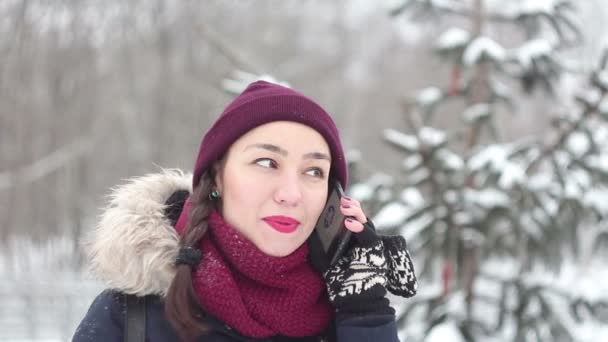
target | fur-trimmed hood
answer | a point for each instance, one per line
(133, 247)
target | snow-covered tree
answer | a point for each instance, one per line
(496, 224)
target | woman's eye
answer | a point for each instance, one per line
(265, 162)
(315, 172)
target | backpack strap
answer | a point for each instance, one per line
(135, 319)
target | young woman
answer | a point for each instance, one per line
(222, 255)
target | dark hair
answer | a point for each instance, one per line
(182, 308)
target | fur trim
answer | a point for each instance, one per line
(133, 247)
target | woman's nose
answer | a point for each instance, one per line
(288, 190)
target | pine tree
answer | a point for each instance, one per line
(488, 219)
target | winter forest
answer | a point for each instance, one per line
(474, 128)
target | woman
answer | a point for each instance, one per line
(227, 259)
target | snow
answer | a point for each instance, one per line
(572, 190)
(512, 173)
(533, 49)
(487, 198)
(452, 4)
(578, 143)
(501, 268)
(603, 107)
(353, 156)
(563, 159)
(450, 196)
(429, 96)
(241, 80)
(536, 7)
(476, 112)
(364, 191)
(588, 279)
(602, 78)
(412, 197)
(54, 253)
(540, 181)
(450, 160)
(406, 141)
(431, 136)
(462, 218)
(581, 177)
(549, 204)
(493, 156)
(410, 32)
(384, 194)
(600, 134)
(418, 176)
(480, 47)
(540, 216)
(500, 88)
(445, 332)
(46, 304)
(473, 236)
(599, 162)
(597, 198)
(412, 162)
(591, 96)
(391, 215)
(361, 191)
(412, 229)
(446, 4)
(440, 212)
(589, 286)
(381, 179)
(454, 37)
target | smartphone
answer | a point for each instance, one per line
(330, 238)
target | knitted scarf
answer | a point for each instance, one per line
(257, 294)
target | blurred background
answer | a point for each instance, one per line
(475, 128)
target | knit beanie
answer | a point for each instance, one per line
(263, 102)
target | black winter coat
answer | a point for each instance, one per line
(105, 320)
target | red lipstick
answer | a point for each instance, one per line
(283, 224)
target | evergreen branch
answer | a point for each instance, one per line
(412, 117)
(588, 111)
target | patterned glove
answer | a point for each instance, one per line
(357, 283)
(401, 276)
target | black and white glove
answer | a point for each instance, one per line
(358, 282)
(401, 276)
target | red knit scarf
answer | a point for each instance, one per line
(257, 294)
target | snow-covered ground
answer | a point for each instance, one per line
(43, 298)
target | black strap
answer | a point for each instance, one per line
(135, 319)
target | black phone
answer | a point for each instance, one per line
(330, 238)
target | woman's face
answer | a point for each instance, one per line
(273, 184)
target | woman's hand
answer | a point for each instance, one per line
(355, 218)
(357, 284)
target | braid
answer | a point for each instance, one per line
(182, 308)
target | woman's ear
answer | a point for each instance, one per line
(218, 168)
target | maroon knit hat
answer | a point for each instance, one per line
(263, 102)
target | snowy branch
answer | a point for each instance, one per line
(223, 46)
(46, 165)
(590, 107)
(450, 8)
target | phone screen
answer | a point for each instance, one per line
(330, 238)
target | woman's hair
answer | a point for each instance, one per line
(182, 307)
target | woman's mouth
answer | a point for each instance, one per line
(282, 224)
